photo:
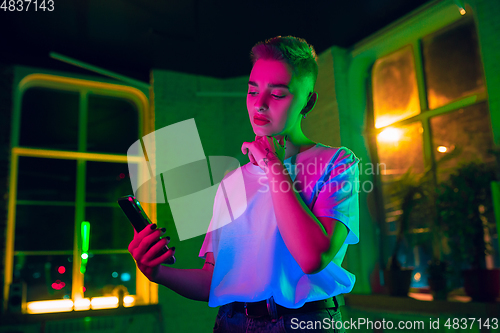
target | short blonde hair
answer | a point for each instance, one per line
(296, 52)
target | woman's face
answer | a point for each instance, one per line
(275, 94)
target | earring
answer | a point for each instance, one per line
(304, 116)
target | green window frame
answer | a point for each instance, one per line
(146, 292)
(423, 117)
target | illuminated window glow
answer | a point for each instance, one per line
(128, 301)
(66, 305)
(389, 135)
(82, 304)
(63, 305)
(395, 91)
(107, 302)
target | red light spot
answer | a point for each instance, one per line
(61, 269)
(58, 285)
(84, 289)
(122, 175)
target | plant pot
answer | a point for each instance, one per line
(438, 288)
(398, 281)
(482, 285)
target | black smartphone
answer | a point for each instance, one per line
(138, 217)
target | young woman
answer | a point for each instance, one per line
(277, 266)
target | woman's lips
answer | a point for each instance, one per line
(260, 122)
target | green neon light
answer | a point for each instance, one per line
(83, 266)
(85, 236)
(85, 230)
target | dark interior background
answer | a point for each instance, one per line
(206, 37)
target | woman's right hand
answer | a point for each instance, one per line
(145, 255)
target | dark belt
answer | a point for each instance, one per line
(268, 307)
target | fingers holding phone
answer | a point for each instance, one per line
(156, 254)
(139, 238)
(144, 246)
(149, 251)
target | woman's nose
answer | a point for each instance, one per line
(261, 103)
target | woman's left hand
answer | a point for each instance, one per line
(265, 150)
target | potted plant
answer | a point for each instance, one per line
(418, 212)
(417, 193)
(424, 218)
(438, 273)
(465, 210)
(398, 279)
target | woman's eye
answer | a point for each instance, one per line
(252, 93)
(278, 96)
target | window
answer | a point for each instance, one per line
(69, 165)
(428, 100)
(395, 92)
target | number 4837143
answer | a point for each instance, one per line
(25, 5)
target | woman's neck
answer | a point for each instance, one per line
(293, 148)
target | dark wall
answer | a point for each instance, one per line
(6, 77)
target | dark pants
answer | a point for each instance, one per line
(326, 320)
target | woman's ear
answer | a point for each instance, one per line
(311, 102)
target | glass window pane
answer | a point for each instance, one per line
(46, 179)
(466, 132)
(113, 124)
(106, 182)
(398, 149)
(395, 91)
(44, 228)
(49, 119)
(105, 272)
(46, 276)
(109, 228)
(452, 63)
